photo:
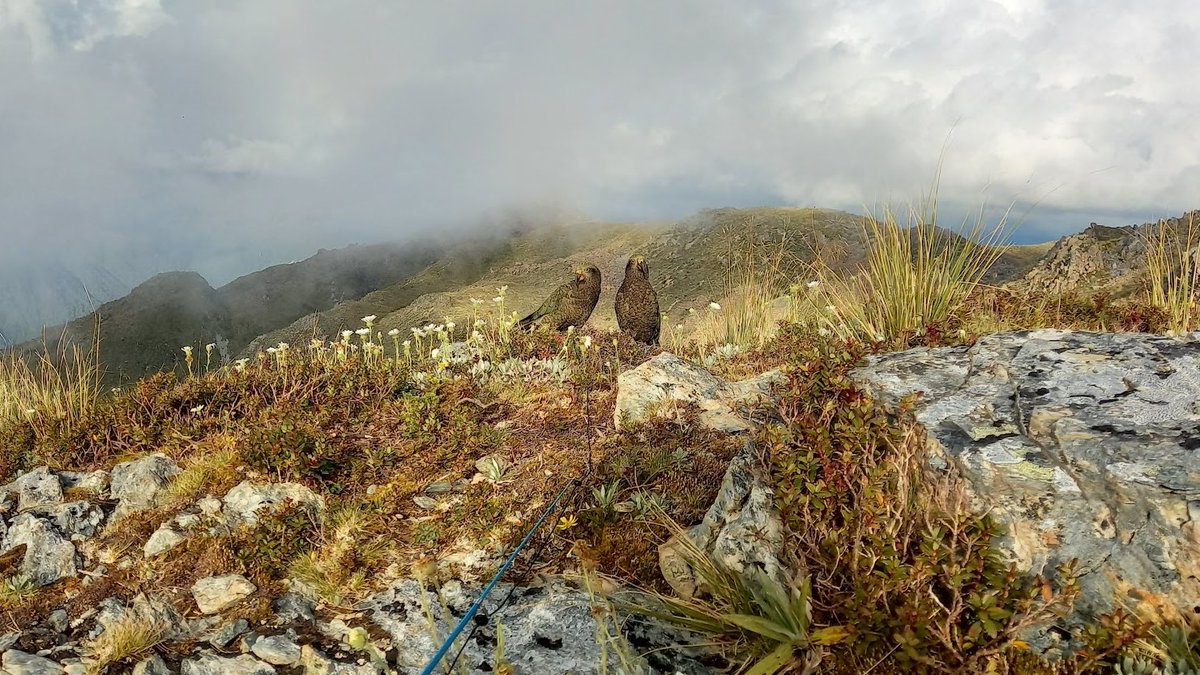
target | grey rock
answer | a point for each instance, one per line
(244, 501)
(209, 506)
(49, 556)
(1083, 445)
(667, 382)
(317, 663)
(16, 662)
(152, 666)
(186, 521)
(9, 639)
(95, 482)
(58, 620)
(215, 594)
(36, 488)
(227, 632)
(163, 540)
(74, 520)
(293, 607)
(75, 666)
(549, 630)
(277, 650)
(741, 530)
(136, 484)
(211, 664)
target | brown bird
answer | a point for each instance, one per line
(570, 304)
(637, 303)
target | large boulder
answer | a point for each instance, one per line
(666, 380)
(247, 500)
(49, 556)
(1084, 445)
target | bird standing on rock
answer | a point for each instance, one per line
(570, 304)
(637, 303)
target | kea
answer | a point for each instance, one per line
(570, 304)
(637, 303)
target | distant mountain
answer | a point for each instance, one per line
(143, 331)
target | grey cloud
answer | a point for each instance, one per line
(229, 134)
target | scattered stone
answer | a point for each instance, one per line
(227, 633)
(316, 663)
(76, 666)
(16, 662)
(58, 620)
(741, 530)
(9, 639)
(152, 666)
(48, 556)
(75, 520)
(211, 664)
(216, 594)
(293, 607)
(667, 380)
(276, 650)
(136, 484)
(209, 506)
(245, 500)
(95, 482)
(163, 540)
(186, 521)
(39, 487)
(1081, 444)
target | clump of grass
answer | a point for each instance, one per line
(754, 277)
(337, 567)
(915, 275)
(1173, 273)
(205, 471)
(48, 391)
(125, 638)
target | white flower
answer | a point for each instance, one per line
(830, 308)
(283, 346)
(394, 332)
(814, 284)
(480, 323)
(678, 326)
(570, 329)
(434, 354)
(407, 343)
(187, 350)
(369, 319)
(714, 306)
(271, 350)
(197, 409)
(823, 332)
(450, 325)
(116, 390)
(587, 342)
(346, 334)
(476, 301)
(363, 331)
(497, 299)
(417, 332)
(30, 411)
(242, 362)
(502, 289)
(210, 346)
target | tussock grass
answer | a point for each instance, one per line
(203, 472)
(49, 388)
(330, 569)
(1173, 272)
(125, 638)
(916, 275)
(754, 278)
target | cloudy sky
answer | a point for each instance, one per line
(231, 129)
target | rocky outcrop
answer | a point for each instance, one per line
(667, 382)
(1084, 445)
(136, 484)
(216, 594)
(741, 530)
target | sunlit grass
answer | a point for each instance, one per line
(1172, 272)
(60, 388)
(916, 275)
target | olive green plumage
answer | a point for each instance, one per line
(637, 303)
(570, 304)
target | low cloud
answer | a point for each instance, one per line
(229, 134)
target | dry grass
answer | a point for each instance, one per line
(1173, 273)
(125, 638)
(50, 388)
(916, 275)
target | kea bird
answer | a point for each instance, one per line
(637, 303)
(570, 304)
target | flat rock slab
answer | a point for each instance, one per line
(666, 380)
(1084, 445)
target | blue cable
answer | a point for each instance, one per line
(441, 652)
